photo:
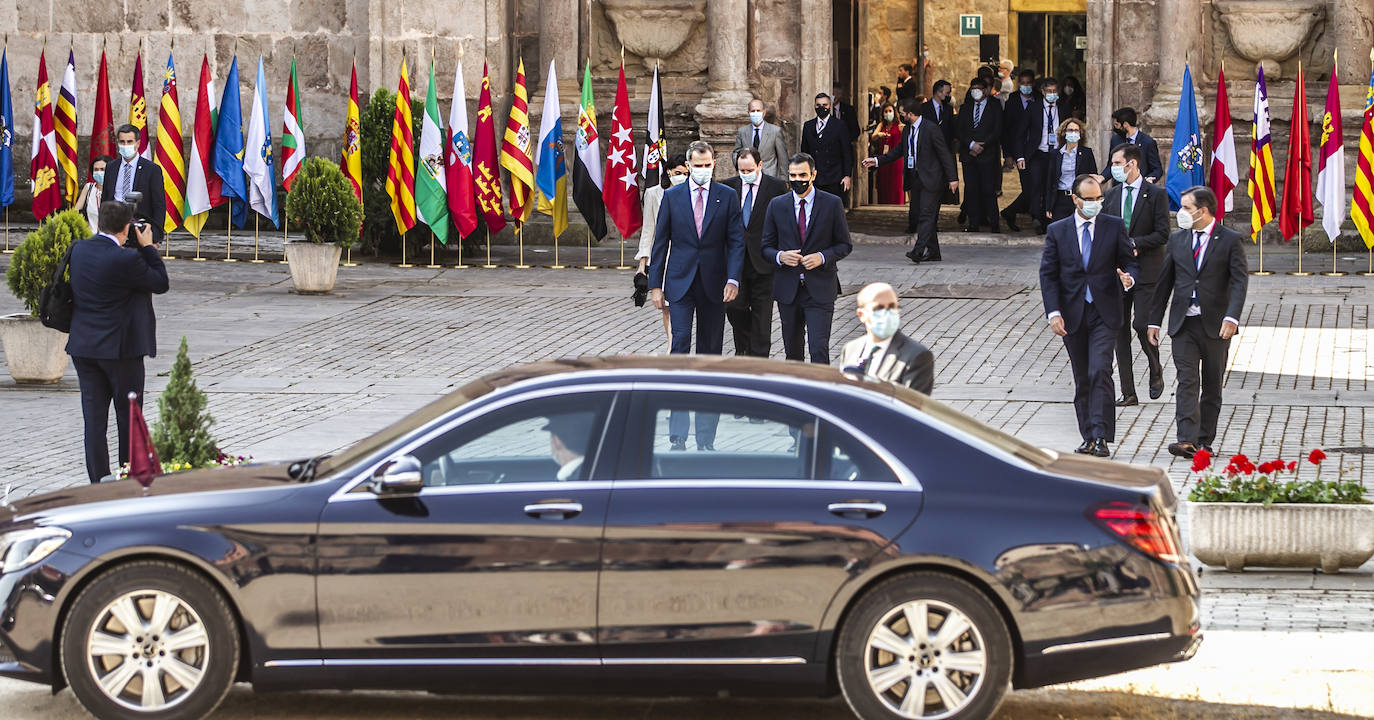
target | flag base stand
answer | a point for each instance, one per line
(199, 259)
(1334, 272)
(556, 265)
(403, 263)
(1261, 272)
(589, 265)
(1370, 271)
(1299, 272)
(520, 263)
(432, 265)
(348, 259)
(229, 238)
(257, 262)
(622, 265)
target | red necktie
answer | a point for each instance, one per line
(801, 223)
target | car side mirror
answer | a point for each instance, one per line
(401, 476)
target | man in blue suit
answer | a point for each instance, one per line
(695, 266)
(113, 326)
(1088, 259)
(805, 235)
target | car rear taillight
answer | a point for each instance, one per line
(1142, 528)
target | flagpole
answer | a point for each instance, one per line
(589, 265)
(432, 241)
(403, 263)
(1299, 272)
(460, 265)
(8, 251)
(556, 265)
(1261, 271)
(198, 258)
(283, 261)
(1335, 62)
(488, 266)
(1370, 271)
(229, 241)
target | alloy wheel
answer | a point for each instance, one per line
(925, 660)
(147, 650)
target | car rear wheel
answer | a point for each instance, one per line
(924, 646)
(150, 640)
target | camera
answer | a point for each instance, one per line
(132, 199)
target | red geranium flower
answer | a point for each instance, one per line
(1270, 467)
(1293, 465)
(1316, 456)
(1242, 464)
(1202, 460)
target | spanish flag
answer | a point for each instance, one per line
(515, 151)
(400, 173)
(351, 161)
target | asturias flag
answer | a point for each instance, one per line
(486, 174)
(587, 169)
(1185, 162)
(1331, 164)
(458, 161)
(400, 172)
(621, 191)
(169, 156)
(6, 134)
(551, 179)
(257, 159)
(1362, 206)
(431, 191)
(228, 156)
(1261, 183)
(47, 197)
(1296, 211)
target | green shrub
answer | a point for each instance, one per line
(35, 260)
(183, 435)
(379, 226)
(323, 205)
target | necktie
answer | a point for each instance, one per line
(937, 112)
(867, 364)
(1197, 257)
(748, 203)
(756, 138)
(700, 209)
(801, 223)
(1128, 206)
(911, 147)
(1087, 248)
(977, 113)
(126, 180)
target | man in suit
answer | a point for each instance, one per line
(827, 142)
(113, 326)
(907, 86)
(1087, 261)
(1039, 144)
(846, 114)
(940, 111)
(885, 352)
(695, 265)
(751, 313)
(929, 173)
(804, 236)
(1015, 114)
(1205, 273)
(1145, 210)
(980, 130)
(139, 174)
(764, 137)
(1126, 132)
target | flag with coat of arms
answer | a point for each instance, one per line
(1185, 162)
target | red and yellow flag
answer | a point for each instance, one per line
(47, 197)
(351, 161)
(64, 118)
(169, 156)
(515, 151)
(1362, 207)
(400, 172)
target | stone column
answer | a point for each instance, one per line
(1350, 22)
(1179, 44)
(558, 30)
(724, 107)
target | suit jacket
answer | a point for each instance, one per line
(1064, 281)
(989, 131)
(1149, 228)
(771, 147)
(1220, 282)
(717, 255)
(1015, 114)
(908, 89)
(906, 362)
(1033, 126)
(947, 121)
(1084, 163)
(147, 180)
(934, 163)
(833, 150)
(1149, 149)
(113, 290)
(768, 189)
(850, 117)
(827, 233)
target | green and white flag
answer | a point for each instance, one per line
(431, 192)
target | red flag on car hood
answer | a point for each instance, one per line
(143, 462)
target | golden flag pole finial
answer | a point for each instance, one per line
(622, 55)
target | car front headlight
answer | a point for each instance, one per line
(23, 548)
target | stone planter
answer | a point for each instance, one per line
(1236, 535)
(313, 266)
(36, 355)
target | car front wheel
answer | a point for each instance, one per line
(150, 640)
(924, 646)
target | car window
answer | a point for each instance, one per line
(539, 440)
(718, 437)
(845, 458)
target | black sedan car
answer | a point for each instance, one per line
(668, 525)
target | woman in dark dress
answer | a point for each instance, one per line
(885, 136)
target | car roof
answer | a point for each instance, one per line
(652, 366)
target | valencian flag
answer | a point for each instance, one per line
(351, 159)
(587, 167)
(400, 171)
(655, 144)
(228, 154)
(6, 133)
(202, 184)
(621, 191)
(1224, 174)
(462, 205)
(1296, 211)
(257, 158)
(551, 181)
(1185, 164)
(515, 151)
(431, 191)
(292, 131)
(1260, 186)
(47, 197)
(102, 128)
(1331, 164)
(169, 156)
(1362, 206)
(487, 175)
(64, 123)
(138, 109)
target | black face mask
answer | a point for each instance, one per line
(1120, 131)
(800, 186)
(822, 112)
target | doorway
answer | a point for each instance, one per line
(1052, 43)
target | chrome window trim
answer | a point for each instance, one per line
(1108, 642)
(527, 662)
(761, 484)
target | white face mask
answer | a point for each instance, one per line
(1091, 208)
(756, 117)
(1072, 137)
(888, 117)
(976, 95)
(128, 151)
(883, 322)
(677, 179)
(1185, 219)
(748, 178)
(701, 176)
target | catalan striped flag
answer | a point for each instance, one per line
(400, 172)
(1362, 207)
(168, 153)
(515, 151)
(64, 122)
(1260, 186)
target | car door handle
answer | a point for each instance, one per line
(858, 507)
(554, 509)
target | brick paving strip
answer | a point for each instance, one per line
(289, 374)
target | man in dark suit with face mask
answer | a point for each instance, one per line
(132, 173)
(929, 173)
(827, 141)
(751, 312)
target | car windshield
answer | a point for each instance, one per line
(1037, 456)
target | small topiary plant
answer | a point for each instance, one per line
(36, 258)
(183, 435)
(322, 203)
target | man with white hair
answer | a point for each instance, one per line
(885, 352)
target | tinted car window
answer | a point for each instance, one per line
(718, 437)
(540, 440)
(845, 458)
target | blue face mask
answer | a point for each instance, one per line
(1119, 173)
(1091, 208)
(128, 151)
(1052, 97)
(748, 178)
(1026, 89)
(883, 323)
(98, 177)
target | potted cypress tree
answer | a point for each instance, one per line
(322, 204)
(36, 354)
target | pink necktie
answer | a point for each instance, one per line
(700, 211)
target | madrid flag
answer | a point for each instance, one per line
(621, 190)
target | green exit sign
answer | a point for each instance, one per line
(970, 25)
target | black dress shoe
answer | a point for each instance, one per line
(1127, 401)
(1100, 449)
(678, 443)
(913, 257)
(1182, 449)
(1209, 450)
(1156, 385)
(1010, 219)
(706, 447)
(930, 258)
(995, 230)
(962, 216)
(1085, 448)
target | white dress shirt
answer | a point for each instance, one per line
(877, 360)
(1068, 167)
(1196, 310)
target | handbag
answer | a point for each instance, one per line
(56, 301)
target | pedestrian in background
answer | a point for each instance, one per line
(980, 132)
(885, 136)
(751, 312)
(1039, 148)
(827, 141)
(927, 171)
(764, 137)
(89, 197)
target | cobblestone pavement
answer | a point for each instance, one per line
(289, 374)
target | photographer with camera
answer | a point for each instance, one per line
(136, 180)
(113, 326)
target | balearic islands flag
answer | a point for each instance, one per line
(292, 131)
(138, 109)
(400, 172)
(458, 161)
(351, 158)
(515, 151)
(1362, 206)
(551, 179)
(169, 156)
(1261, 182)
(1223, 175)
(257, 158)
(431, 185)
(47, 197)
(1296, 211)
(1331, 165)
(587, 167)
(621, 191)
(202, 184)
(64, 123)
(102, 128)
(487, 175)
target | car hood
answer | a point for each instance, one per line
(87, 498)
(1137, 477)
